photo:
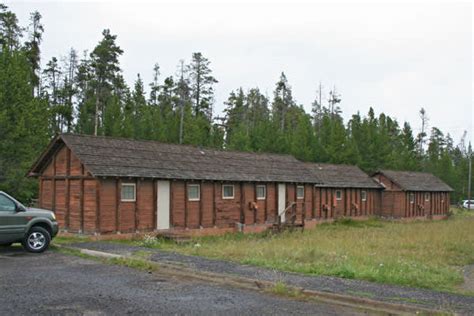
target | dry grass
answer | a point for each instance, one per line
(427, 254)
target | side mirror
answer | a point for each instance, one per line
(20, 208)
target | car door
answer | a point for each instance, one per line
(12, 224)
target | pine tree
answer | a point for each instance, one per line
(154, 86)
(23, 118)
(33, 48)
(282, 101)
(105, 67)
(202, 85)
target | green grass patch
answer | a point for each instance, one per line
(139, 262)
(426, 254)
(71, 239)
(281, 289)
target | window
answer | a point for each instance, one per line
(300, 192)
(363, 195)
(261, 192)
(194, 192)
(128, 192)
(6, 205)
(412, 198)
(338, 195)
(427, 197)
(228, 191)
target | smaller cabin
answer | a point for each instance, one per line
(412, 194)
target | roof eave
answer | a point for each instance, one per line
(32, 172)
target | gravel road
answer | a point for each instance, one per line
(57, 284)
(460, 304)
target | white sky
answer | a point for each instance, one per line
(394, 57)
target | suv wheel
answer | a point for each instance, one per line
(37, 240)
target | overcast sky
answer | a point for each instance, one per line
(396, 58)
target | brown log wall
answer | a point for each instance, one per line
(67, 189)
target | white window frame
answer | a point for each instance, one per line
(411, 198)
(427, 197)
(264, 192)
(233, 192)
(134, 192)
(363, 196)
(340, 195)
(198, 191)
(299, 197)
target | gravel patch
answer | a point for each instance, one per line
(388, 293)
(56, 284)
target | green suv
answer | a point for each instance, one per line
(33, 227)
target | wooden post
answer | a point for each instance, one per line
(256, 201)
(154, 183)
(137, 196)
(345, 202)
(97, 206)
(332, 203)
(242, 212)
(53, 198)
(117, 205)
(214, 204)
(68, 189)
(201, 185)
(171, 201)
(82, 205)
(185, 204)
(265, 214)
(275, 188)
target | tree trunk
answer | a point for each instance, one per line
(96, 115)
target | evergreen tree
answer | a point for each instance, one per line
(202, 85)
(282, 102)
(105, 68)
(33, 48)
(23, 118)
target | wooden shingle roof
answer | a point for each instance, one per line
(120, 157)
(416, 181)
(342, 176)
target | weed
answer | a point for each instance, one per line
(280, 288)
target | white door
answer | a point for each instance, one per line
(281, 200)
(163, 212)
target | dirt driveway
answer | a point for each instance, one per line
(53, 283)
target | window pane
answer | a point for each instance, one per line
(193, 192)
(300, 192)
(128, 192)
(228, 191)
(338, 195)
(6, 205)
(261, 191)
(363, 195)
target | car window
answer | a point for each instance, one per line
(6, 205)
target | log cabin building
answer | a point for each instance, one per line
(411, 194)
(111, 185)
(104, 185)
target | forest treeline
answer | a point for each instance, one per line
(86, 93)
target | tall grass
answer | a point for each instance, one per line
(428, 254)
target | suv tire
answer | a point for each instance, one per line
(36, 240)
